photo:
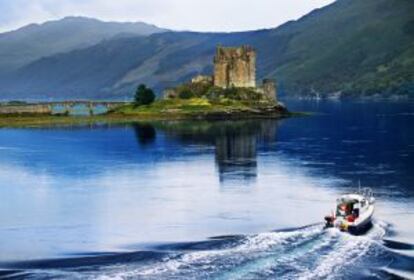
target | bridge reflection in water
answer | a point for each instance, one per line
(236, 143)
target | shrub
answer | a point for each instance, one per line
(16, 102)
(144, 95)
(186, 94)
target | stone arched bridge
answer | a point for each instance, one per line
(60, 107)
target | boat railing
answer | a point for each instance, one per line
(368, 194)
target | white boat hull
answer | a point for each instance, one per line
(354, 212)
(360, 225)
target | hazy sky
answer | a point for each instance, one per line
(197, 15)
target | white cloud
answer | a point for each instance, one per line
(200, 15)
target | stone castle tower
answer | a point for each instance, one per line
(235, 67)
(269, 89)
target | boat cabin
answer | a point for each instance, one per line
(353, 211)
(350, 206)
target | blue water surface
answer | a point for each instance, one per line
(222, 200)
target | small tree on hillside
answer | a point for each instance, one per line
(143, 95)
(186, 94)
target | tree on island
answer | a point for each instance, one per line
(143, 95)
(186, 94)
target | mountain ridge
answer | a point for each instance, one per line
(356, 48)
(35, 41)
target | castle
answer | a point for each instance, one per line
(235, 67)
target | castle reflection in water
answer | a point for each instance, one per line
(236, 143)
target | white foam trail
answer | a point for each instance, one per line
(210, 259)
(309, 253)
(266, 263)
(348, 250)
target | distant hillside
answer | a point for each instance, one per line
(32, 42)
(359, 47)
(352, 46)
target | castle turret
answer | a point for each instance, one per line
(269, 89)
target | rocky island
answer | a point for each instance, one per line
(230, 93)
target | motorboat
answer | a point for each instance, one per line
(353, 213)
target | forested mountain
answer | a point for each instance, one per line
(32, 42)
(351, 46)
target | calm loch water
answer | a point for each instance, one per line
(216, 200)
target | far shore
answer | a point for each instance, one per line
(193, 109)
(45, 120)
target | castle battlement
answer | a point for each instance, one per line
(234, 67)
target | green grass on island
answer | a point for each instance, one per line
(203, 100)
(193, 106)
(197, 101)
(174, 109)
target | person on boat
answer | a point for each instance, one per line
(348, 210)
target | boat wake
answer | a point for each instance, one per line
(304, 253)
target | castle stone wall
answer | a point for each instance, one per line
(235, 67)
(202, 79)
(269, 89)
